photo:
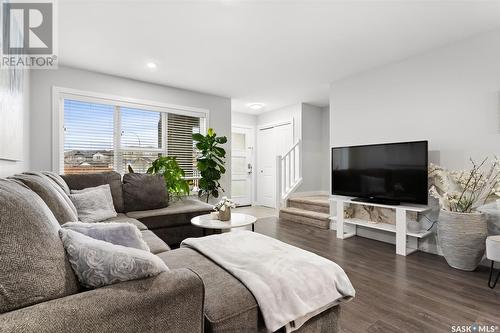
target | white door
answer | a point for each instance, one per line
(272, 141)
(242, 147)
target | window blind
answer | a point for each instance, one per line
(104, 137)
(141, 138)
(180, 144)
(140, 129)
(88, 137)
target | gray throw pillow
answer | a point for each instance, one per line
(80, 181)
(107, 192)
(144, 192)
(97, 263)
(92, 206)
(124, 234)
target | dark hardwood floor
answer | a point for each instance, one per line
(417, 293)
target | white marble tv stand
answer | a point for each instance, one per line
(406, 242)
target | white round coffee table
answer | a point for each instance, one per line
(207, 221)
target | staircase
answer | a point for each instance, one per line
(288, 173)
(310, 210)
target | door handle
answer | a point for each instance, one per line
(249, 169)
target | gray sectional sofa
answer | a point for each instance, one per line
(172, 224)
(39, 293)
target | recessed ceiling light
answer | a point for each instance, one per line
(255, 106)
(151, 65)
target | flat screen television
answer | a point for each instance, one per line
(389, 173)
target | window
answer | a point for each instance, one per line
(141, 138)
(101, 136)
(88, 137)
(180, 142)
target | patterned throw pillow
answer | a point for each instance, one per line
(97, 263)
(92, 205)
(124, 234)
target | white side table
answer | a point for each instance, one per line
(238, 220)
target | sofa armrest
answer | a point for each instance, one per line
(169, 302)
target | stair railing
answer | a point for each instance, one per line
(288, 173)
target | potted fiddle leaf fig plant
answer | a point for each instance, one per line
(173, 174)
(462, 227)
(210, 163)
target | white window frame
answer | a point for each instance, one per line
(59, 94)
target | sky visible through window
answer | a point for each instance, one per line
(90, 126)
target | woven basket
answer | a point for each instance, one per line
(462, 238)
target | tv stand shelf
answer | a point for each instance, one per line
(406, 242)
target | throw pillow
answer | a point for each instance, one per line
(144, 192)
(124, 234)
(92, 206)
(98, 263)
(107, 192)
(34, 267)
(80, 181)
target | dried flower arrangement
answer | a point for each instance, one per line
(465, 191)
(224, 204)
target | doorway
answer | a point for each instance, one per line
(273, 140)
(242, 163)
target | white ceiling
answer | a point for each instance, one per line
(273, 52)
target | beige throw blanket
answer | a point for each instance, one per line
(290, 285)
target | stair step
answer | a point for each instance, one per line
(312, 203)
(307, 217)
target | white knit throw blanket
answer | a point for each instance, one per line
(290, 285)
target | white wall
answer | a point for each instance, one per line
(325, 149)
(243, 119)
(449, 96)
(41, 106)
(315, 161)
(291, 113)
(311, 125)
(8, 168)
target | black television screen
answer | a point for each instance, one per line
(388, 173)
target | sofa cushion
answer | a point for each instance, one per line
(124, 234)
(58, 180)
(57, 185)
(30, 243)
(156, 245)
(53, 197)
(122, 218)
(144, 192)
(114, 179)
(177, 213)
(229, 305)
(173, 236)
